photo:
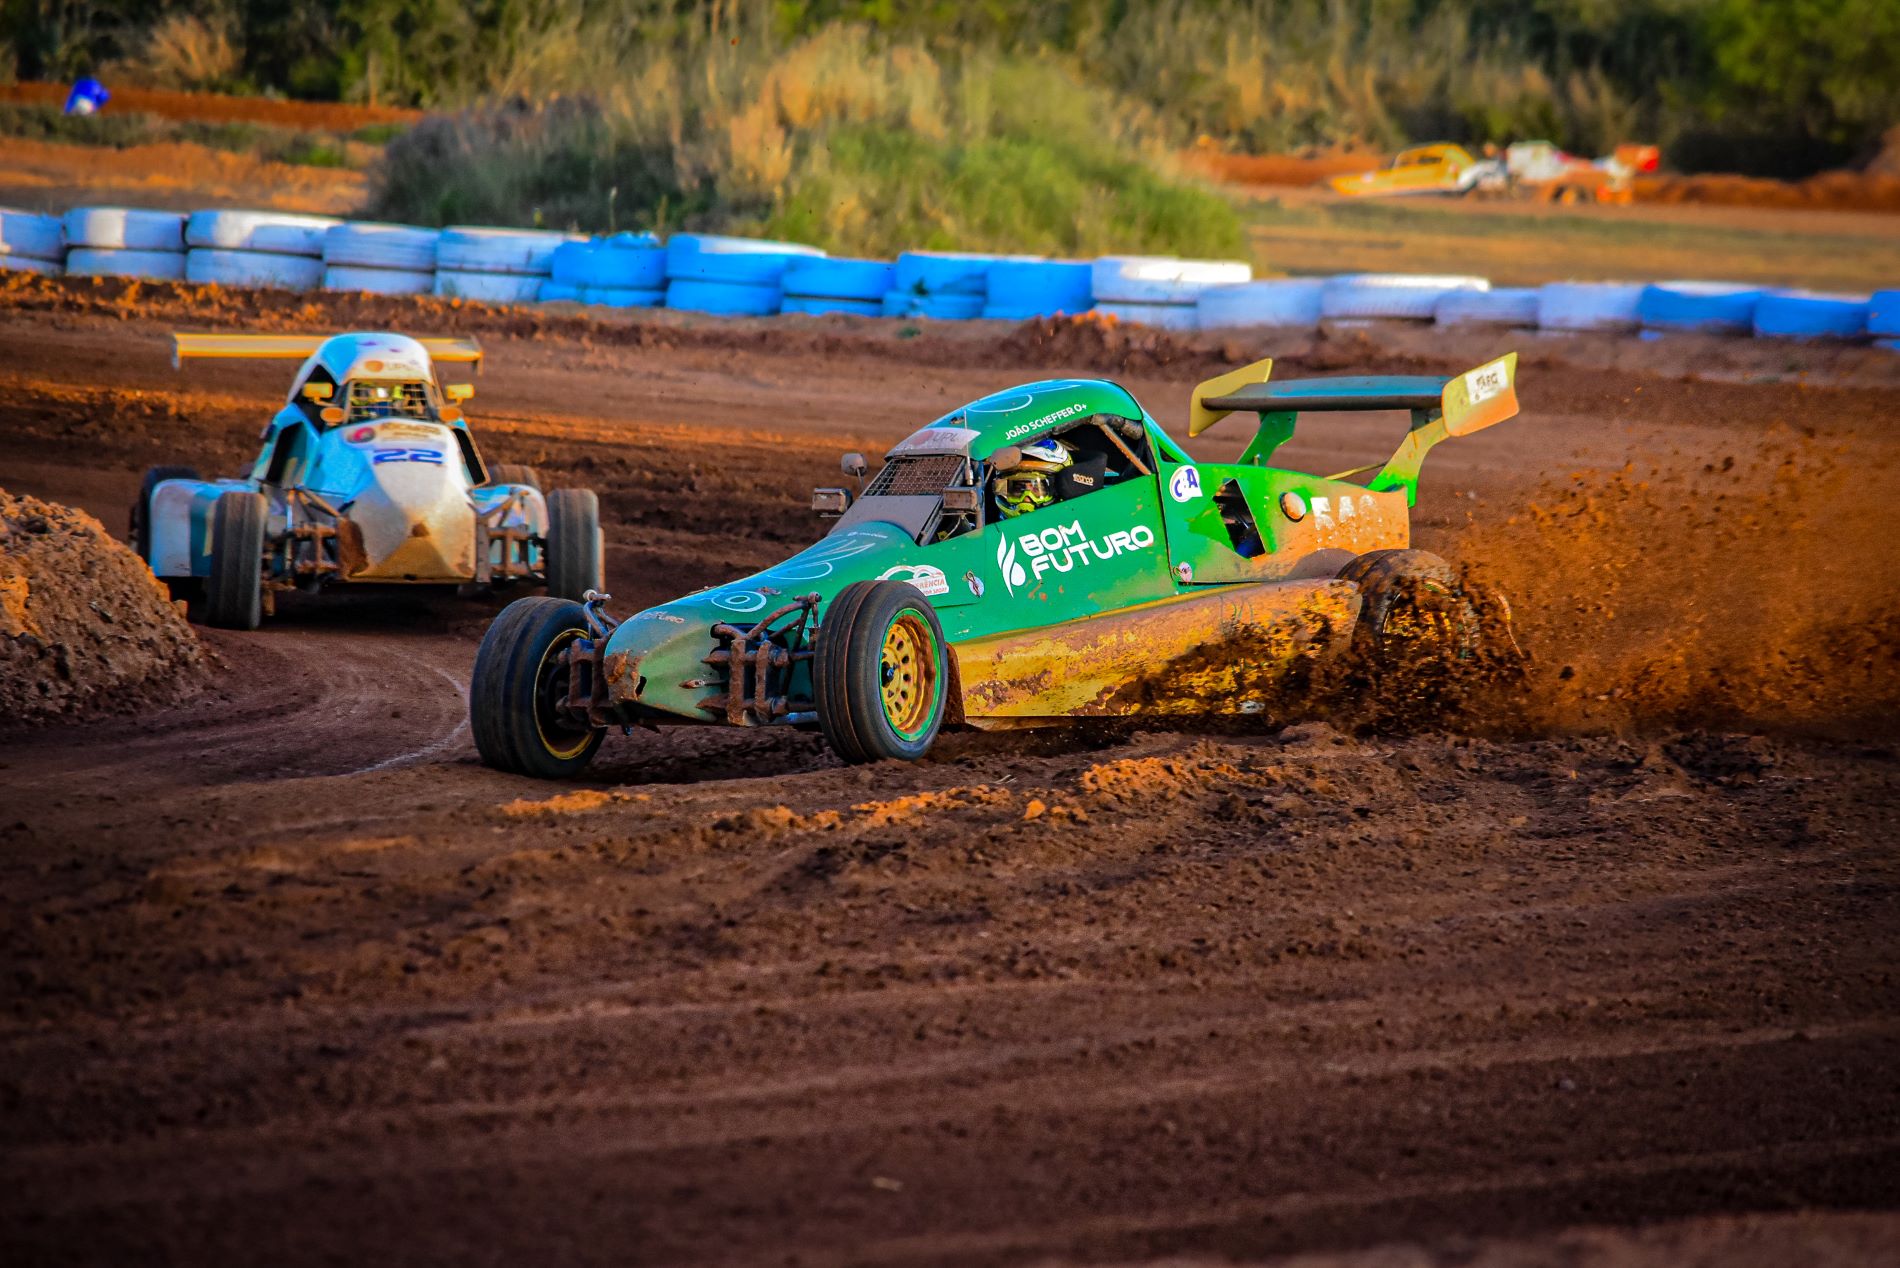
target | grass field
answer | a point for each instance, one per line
(1299, 231)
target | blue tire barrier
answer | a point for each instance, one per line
(1292, 301)
(1160, 316)
(945, 272)
(368, 245)
(553, 292)
(1155, 279)
(1588, 305)
(935, 307)
(476, 249)
(1724, 308)
(1020, 289)
(623, 296)
(1883, 313)
(125, 229)
(356, 277)
(157, 266)
(488, 288)
(31, 264)
(1505, 306)
(1811, 315)
(730, 299)
(817, 304)
(1391, 296)
(711, 257)
(858, 280)
(210, 266)
(36, 237)
(626, 261)
(271, 231)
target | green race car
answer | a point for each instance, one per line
(1044, 553)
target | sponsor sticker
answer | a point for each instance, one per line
(411, 431)
(1023, 429)
(1062, 548)
(937, 440)
(361, 436)
(1485, 382)
(928, 580)
(1185, 484)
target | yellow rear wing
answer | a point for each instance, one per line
(1200, 416)
(447, 350)
(1478, 398)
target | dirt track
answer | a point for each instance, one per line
(290, 976)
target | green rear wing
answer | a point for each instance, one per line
(1440, 407)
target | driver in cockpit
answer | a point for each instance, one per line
(1031, 484)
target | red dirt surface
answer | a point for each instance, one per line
(46, 176)
(1606, 975)
(206, 107)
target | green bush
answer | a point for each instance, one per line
(835, 140)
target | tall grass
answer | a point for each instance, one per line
(840, 139)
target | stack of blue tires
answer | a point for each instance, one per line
(831, 285)
(1812, 315)
(1883, 318)
(945, 285)
(625, 270)
(31, 243)
(1713, 308)
(741, 277)
(1017, 290)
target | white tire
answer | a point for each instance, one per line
(156, 266)
(28, 264)
(26, 233)
(1160, 316)
(377, 246)
(473, 249)
(1402, 296)
(1588, 306)
(1290, 301)
(488, 288)
(272, 231)
(1505, 306)
(1153, 279)
(210, 267)
(125, 229)
(349, 277)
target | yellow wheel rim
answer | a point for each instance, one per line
(909, 674)
(546, 680)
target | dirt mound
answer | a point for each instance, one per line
(1825, 191)
(83, 622)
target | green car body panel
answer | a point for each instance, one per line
(1055, 613)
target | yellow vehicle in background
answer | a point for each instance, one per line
(1423, 169)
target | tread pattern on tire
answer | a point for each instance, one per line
(573, 544)
(235, 589)
(852, 720)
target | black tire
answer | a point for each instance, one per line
(573, 551)
(881, 673)
(514, 473)
(517, 678)
(234, 592)
(1411, 608)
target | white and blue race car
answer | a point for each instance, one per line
(367, 476)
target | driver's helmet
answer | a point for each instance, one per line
(1030, 486)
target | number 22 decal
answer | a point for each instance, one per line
(432, 456)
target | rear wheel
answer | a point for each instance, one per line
(515, 473)
(141, 522)
(519, 682)
(234, 592)
(573, 544)
(1411, 608)
(881, 673)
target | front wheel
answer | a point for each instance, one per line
(234, 592)
(519, 682)
(881, 673)
(572, 557)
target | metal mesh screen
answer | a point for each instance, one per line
(389, 400)
(906, 476)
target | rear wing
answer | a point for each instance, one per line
(1440, 407)
(447, 350)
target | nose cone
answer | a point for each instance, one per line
(416, 520)
(657, 660)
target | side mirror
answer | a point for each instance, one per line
(450, 414)
(853, 464)
(962, 499)
(831, 502)
(1006, 459)
(332, 415)
(458, 391)
(318, 391)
